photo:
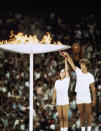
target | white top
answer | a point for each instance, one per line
(83, 81)
(61, 87)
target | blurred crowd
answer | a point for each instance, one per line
(14, 76)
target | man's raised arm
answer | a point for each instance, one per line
(69, 59)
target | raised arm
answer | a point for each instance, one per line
(69, 59)
(66, 68)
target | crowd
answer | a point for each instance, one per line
(14, 76)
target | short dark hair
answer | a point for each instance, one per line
(86, 62)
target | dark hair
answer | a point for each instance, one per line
(86, 62)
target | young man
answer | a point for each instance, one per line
(83, 97)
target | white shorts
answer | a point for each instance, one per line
(62, 101)
(83, 98)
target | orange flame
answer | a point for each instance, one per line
(21, 38)
(46, 38)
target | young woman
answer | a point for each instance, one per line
(60, 95)
(84, 80)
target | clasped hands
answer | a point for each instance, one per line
(64, 54)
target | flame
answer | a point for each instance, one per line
(21, 38)
(46, 38)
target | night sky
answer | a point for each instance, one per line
(64, 9)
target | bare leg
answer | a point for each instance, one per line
(65, 115)
(88, 113)
(60, 113)
(82, 114)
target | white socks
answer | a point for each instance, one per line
(83, 128)
(64, 129)
(89, 128)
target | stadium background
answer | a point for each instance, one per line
(68, 22)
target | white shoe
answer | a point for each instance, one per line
(83, 128)
(89, 128)
(65, 129)
(61, 129)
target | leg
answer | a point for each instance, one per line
(88, 113)
(60, 113)
(82, 114)
(65, 115)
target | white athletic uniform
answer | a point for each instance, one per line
(82, 86)
(61, 87)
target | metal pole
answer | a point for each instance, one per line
(31, 94)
